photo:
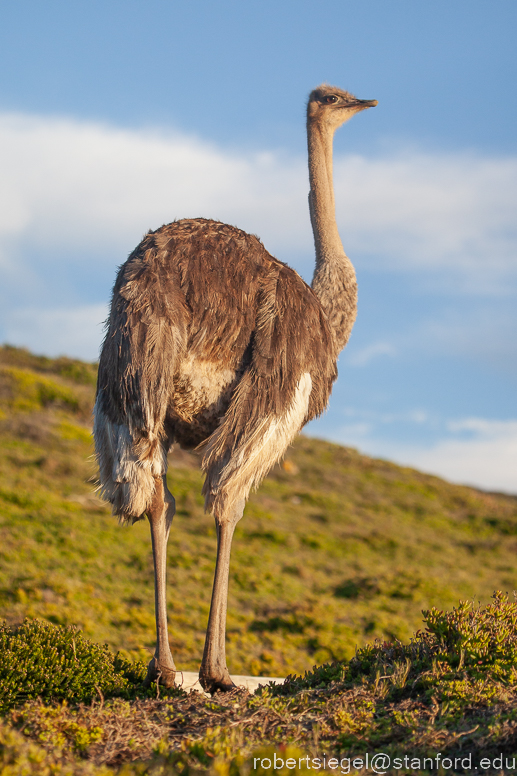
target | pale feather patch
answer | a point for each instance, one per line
(126, 481)
(201, 384)
(257, 453)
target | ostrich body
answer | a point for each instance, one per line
(213, 342)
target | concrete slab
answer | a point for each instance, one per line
(189, 680)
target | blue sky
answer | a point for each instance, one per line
(119, 116)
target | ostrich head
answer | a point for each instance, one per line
(330, 107)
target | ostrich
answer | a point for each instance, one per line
(212, 343)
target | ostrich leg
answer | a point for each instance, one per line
(213, 674)
(160, 514)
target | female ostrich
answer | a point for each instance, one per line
(212, 342)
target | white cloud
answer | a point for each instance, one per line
(485, 428)
(469, 451)
(70, 187)
(372, 417)
(487, 459)
(363, 356)
(435, 211)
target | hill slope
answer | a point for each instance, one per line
(334, 550)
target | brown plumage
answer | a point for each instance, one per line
(213, 342)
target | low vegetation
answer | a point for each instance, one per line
(451, 690)
(335, 560)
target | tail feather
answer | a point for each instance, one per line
(237, 462)
(146, 333)
(126, 480)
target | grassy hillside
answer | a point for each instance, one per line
(335, 549)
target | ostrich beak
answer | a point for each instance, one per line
(362, 104)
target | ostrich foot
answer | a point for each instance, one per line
(221, 681)
(158, 671)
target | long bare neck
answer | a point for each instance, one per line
(334, 281)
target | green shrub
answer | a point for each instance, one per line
(40, 660)
(479, 641)
(468, 643)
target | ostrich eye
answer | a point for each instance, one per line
(330, 98)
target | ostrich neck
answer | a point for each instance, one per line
(334, 281)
